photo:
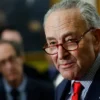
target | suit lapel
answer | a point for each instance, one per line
(63, 90)
(94, 90)
(2, 91)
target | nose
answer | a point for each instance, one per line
(8, 64)
(62, 53)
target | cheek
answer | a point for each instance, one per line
(78, 56)
(4, 70)
(83, 61)
(18, 69)
(75, 54)
(54, 59)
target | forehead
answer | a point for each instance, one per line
(6, 50)
(64, 21)
(11, 35)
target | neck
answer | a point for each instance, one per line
(15, 83)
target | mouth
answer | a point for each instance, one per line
(67, 66)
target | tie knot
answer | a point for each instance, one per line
(77, 86)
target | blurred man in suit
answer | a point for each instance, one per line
(14, 84)
(10, 33)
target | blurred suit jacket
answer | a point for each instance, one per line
(34, 91)
(92, 94)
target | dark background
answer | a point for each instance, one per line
(27, 17)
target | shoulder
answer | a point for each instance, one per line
(62, 89)
(40, 83)
(1, 82)
(1, 85)
(61, 85)
(43, 88)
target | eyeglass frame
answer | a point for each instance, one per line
(76, 40)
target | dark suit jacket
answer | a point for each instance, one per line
(31, 72)
(92, 94)
(34, 91)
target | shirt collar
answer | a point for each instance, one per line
(21, 87)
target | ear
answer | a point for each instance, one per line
(22, 59)
(97, 34)
(96, 42)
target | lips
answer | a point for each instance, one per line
(67, 65)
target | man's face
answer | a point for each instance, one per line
(62, 26)
(10, 64)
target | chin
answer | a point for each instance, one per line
(69, 78)
(12, 78)
(69, 75)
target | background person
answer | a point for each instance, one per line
(10, 33)
(15, 84)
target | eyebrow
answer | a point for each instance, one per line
(67, 34)
(64, 35)
(50, 38)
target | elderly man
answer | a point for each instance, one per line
(73, 42)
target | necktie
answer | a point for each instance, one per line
(77, 87)
(15, 94)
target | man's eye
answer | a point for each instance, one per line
(70, 40)
(52, 43)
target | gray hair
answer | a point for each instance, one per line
(87, 11)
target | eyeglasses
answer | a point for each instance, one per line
(11, 59)
(69, 45)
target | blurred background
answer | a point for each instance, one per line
(27, 17)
